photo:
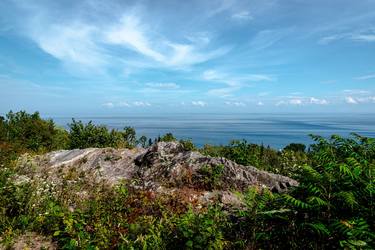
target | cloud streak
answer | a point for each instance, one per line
(355, 36)
(125, 104)
(91, 44)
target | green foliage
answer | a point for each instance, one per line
(21, 132)
(334, 200)
(89, 135)
(296, 147)
(212, 176)
(188, 145)
(129, 136)
(168, 137)
(200, 230)
(30, 132)
(287, 162)
(142, 141)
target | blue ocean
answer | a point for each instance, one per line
(275, 130)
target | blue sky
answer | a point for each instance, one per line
(117, 57)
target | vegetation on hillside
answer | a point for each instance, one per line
(333, 207)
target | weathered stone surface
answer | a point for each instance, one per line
(165, 167)
(169, 162)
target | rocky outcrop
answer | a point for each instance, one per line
(165, 167)
(169, 163)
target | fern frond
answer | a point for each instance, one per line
(344, 169)
(314, 200)
(319, 228)
(311, 171)
(347, 197)
(297, 203)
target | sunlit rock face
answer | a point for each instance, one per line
(164, 168)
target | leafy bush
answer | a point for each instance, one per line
(168, 137)
(29, 132)
(89, 135)
(242, 152)
(211, 176)
(296, 147)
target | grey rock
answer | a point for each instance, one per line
(165, 167)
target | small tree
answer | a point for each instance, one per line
(168, 137)
(142, 141)
(130, 136)
(296, 147)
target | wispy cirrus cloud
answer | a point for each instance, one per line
(132, 34)
(356, 92)
(80, 41)
(242, 16)
(233, 82)
(70, 44)
(267, 38)
(365, 77)
(355, 36)
(163, 85)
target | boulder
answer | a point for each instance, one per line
(164, 168)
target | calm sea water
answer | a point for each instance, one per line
(276, 130)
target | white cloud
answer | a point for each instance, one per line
(234, 83)
(130, 33)
(267, 38)
(74, 38)
(234, 80)
(279, 103)
(364, 37)
(222, 6)
(356, 91)
(351, 100)
(295, 102)
(223, 92)
(141, 104)
(314, 100)
(365, 77)
(202, 38)
(257, 78)
(328, 39)
(361, 99)
(260, 103)
(69, 43)
(263, 93)
(137, 36)
(108, 105)
(125, 104)
(163, 85)
(236, 104)
(242, 16)
(299, 101)
(356, 36)
(212, 75)
(199, 103)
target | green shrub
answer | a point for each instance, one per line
(211, 176)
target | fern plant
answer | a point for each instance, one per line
(334, 202)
